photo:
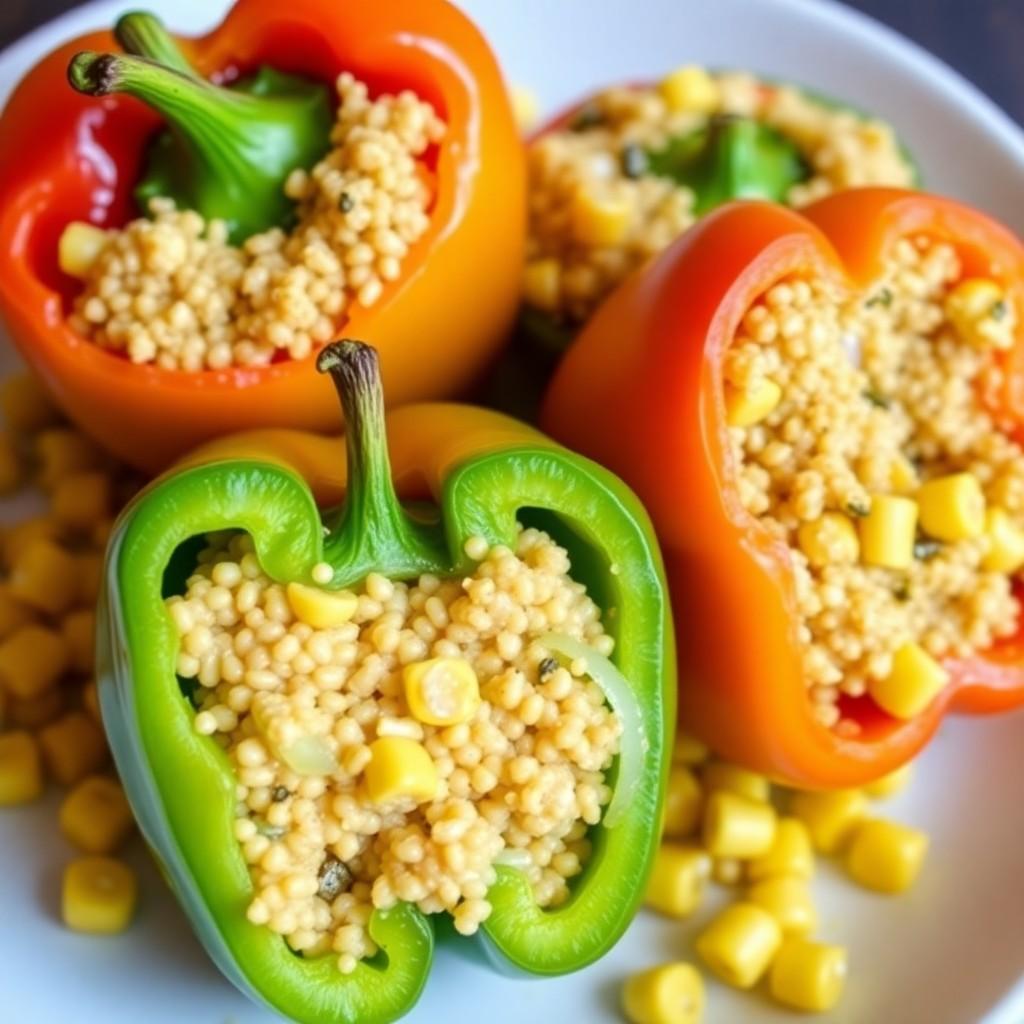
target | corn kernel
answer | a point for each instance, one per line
(913, 683)
(13, 613)
(88, 577)
(525, 107)
(80, 500)
(831, 539)
(35, 712)
(830, 817)
(22, 535)
(73, 747)
(677, 879)
(738, 945)
(887, 532)
(683, 803)
(21, 774)
(400, 767)
(689, 750)
(541, 283)
(441, 691)
(737, 827)
(32, 660)
(669, 994)
(62, 451)
(99, 895)
(886, 856)
(980, 313)
(751, 405)
(95, 815)
(79, 246)
(791, 854)
(26, 403)
(321, 609)
(43, 576)
(952, 507)
(891, 784)
(91, 700)
(1005, 542)
(727, 870)
(690, 88)
(788, 900)
(79, 631)
(721, 775)
(601, 220)
(11, 470)
(808, 975)
(902, 475)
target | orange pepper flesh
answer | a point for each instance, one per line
(641, 391)
(86, 161)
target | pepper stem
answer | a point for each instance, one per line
(144, 34)
(373, 532)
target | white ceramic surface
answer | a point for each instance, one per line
(952, 952)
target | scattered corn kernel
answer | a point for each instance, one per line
(677, 879)
(902, 475)
(62, 451)
(88, 576)
(891, 784)
(541, 283)
(99, 895)
(747, 407)
(738, 944)
(727, 870)
(689, 750)
(95, 815)
(886, 856)
(979, 312)
(952, 507)
(913, 683)
(11, 469)
(79, 631)
(43, 576)
(73, 747)
(690, 88)
(790, 854)
(601, 219)
(830, 817)
(669, 994)
(80, 243)
(808, 975)
(13, 613)
(831, 539)
(20, 536)
(788, 900)
(321, 609)
(35, 712)
(683, 803)
(21, 775)
(441, 691)
(735, 826)
(721, 775)
(32, 659)
(1005, 542)
(400, 767)
(887, 532)
(26, 404)
(81, 500)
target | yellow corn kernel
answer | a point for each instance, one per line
(669, 994)
(5, 709)
(99, 895)
(689, 750)
(601, 220)
(13, 613)
(99, 533)
(79, 631)
(677, 879)
(525, 107)
(831, 539)
(886, 856)
(23, 534)
(21, 774)
(62, 451)
(81, 500)
(400, 767)
(441, 691)
(683, 803)
(542, 283)
(321, 609)
(980, 313)
(788, 900)
(887, 532)
(73, 747)
(91, 700)
(722, 775)
(88, 576)
(914, 681)
(738, 944)
(11, 470)
(952, 507)
(735, 826)
(790, 855)
(808, 975)
(35, 712)
(79, 246)
(727, 870)
(690, 88)
(1005, 542)
(95, 815)
(26, 404)
(902, 475)
(32, 659)
(830, 817)
(891, 784)
(43, 576)
(751, 405)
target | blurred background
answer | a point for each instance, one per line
(982, 39)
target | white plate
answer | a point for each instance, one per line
(949, 953)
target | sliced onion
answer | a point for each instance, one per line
(633, 745)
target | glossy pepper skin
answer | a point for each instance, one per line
(479, 469)
(87, 162)
(656, 349)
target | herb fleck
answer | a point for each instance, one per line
(346, 202)
(999, 310)
(270, 831)
(589, 116)
(880, 298)
(860, 509)
(279, 793)
(634, 161)
(925, 548)
(546, 667)
(876, 398)
(901, 591)
(333, 878)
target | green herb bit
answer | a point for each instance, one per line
(999, 310)
(346, 202)
(634, 161)
(925, 548)
(858, 509)
(880, 298)
(587, 117)
(876, 398)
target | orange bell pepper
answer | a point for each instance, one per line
(71, 157)
(642, 392)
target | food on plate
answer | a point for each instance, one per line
(330, 728)
(672, 993)
(826, 440)
(619, 176)
(171, 266)
(99, 895)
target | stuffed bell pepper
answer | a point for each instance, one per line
(823, 414)
(200, 216)
(336, 714)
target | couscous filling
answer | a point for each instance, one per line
(861, 439)
(172, 291)
(597, 210)
(398, 741)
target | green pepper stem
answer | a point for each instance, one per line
(144, 34)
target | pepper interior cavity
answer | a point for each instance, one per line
(860, 439)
